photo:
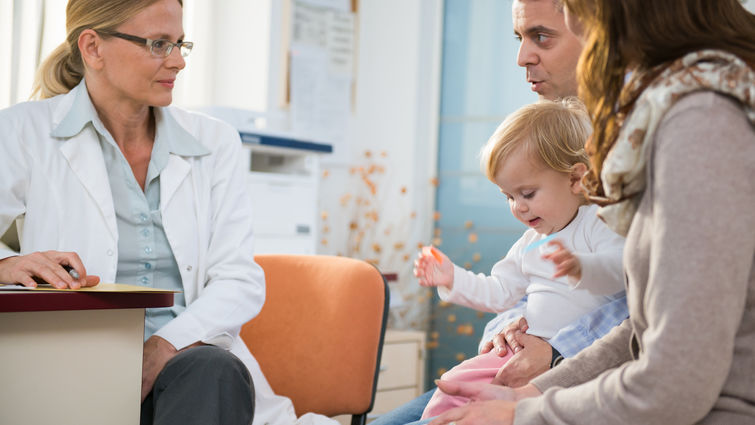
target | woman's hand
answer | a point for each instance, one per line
(491, 404)
(434, 270)
(497, 412)
(46, 267)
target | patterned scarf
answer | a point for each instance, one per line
(623, 173)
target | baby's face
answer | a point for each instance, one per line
(540, 197)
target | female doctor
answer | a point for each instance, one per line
(103, 177)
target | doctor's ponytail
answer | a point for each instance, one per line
(61, 71)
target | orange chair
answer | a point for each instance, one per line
(319, 336)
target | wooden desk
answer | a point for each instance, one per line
(72, 357)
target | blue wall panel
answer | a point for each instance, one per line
(480, 85)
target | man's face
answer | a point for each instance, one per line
(548, 50)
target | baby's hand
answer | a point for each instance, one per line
(433, 268)
(567, 264)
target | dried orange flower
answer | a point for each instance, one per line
(465, 329)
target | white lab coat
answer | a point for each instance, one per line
(56, 189)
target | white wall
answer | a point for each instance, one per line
(229, 63)
(396, 113)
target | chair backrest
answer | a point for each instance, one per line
(319, 336)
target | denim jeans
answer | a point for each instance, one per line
(406, 414)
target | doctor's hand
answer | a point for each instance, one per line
(46, 267)
(157, 353)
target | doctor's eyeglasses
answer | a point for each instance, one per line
(160, 48)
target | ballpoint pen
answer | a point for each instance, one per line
(74, 274)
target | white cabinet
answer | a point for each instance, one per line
(402, 372)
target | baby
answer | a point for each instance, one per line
(537, 158)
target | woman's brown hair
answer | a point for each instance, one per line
(641, 36)
(63, 69)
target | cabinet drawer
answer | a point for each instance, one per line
(398, 367)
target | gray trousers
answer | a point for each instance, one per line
(203, 385)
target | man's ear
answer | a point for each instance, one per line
(575, 177)
(90, 45)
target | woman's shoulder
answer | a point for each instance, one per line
(31, 109)
(704, 116)
(208, 130)
(197, 120)
(718, 105)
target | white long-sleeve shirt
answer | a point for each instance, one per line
(551, 303)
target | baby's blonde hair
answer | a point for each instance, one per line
(553, 131)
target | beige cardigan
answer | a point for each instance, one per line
(687, 353)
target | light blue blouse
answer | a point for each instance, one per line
(144, 254)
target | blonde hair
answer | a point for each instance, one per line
(553, 131)
(63, 69)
